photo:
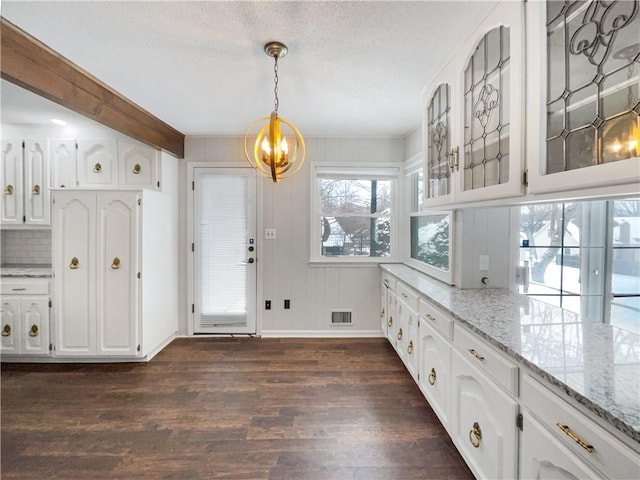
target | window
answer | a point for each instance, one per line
(354, 216)
(430, 232)
(584, 257)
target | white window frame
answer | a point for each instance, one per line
(367, 171)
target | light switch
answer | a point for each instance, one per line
(269, 233)
(484, 262)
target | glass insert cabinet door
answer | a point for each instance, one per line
(473, 120)
(588, 106)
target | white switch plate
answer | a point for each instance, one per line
(484, 262)
(269, 233)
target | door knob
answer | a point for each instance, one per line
(74, 263)
(97, 168)
(116, 263)
(35, 190)
(136, 169)
(6, 331)
(33, 331)
(8, 190)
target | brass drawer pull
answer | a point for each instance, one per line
(35, 190)
(410, 347)
(33, 331)
(405, 295)
(74, 263)
(8, 190)
(6, 331)
(475, 435)
(116, 263)
(382, 313)
(430, 317)
(136, 169)
(400, 334)
(97, 168)
(390, 322)
(386, 283)
(476, 354)
(432, 377)
(568, 432)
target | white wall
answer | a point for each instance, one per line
(286, 274)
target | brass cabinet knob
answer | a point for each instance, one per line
(74, 263)
(390, 322)
(432, 377)
(33, 331)
(410, 347)
(6, 331)
(97, 168)
(116, 263)
(8, 190)
(35, 190)
(400, 334)
(475, 435)
(136, 169)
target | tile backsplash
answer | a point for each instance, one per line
(29, 247)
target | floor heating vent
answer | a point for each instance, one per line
(341, 317)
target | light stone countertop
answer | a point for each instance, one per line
(595, 364)
(25, 271)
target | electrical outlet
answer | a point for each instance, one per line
(269, 233)
(287, 304)
(267, 304)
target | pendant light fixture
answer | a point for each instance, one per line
(272, 144)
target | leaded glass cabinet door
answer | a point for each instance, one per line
(438, 152)
(490, 159)
(585, 100)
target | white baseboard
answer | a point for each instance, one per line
(322, 333)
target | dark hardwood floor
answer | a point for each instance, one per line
(227, 408)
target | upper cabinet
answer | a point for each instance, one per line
(583, 101)
(473, 123)
(25, 182)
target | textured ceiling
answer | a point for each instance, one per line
(354, 68)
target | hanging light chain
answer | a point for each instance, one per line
(276, 101)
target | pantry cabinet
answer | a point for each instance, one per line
(97, 163)
(583, 95)
(25, 182)
(115, 267)
(473, 123)
(24, 316)
(63, 163)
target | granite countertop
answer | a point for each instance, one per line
(11, 270)
(596, 364)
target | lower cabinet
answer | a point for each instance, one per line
(25, 317)
(114, 273)
(435, 370)
(483, 425)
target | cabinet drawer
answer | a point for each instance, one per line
(389, 281)
(590, 442)
(487, 359)
(25, 286)
(435, 318)
(407, 295)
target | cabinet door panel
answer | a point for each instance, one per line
(74, 267)
(97, 163)
(485, 422)
(117, 318)
(37, 207)
(10, 327)
(63, 164)
(138, 165)
(384, 310)
(35, 325)
(435, 370)
(11, 184)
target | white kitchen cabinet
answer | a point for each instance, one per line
(25, 317)
(408, 334)
(97, 164)
(114, 281)
(435, 370)
(392, 320)
(25, 183)
(483, 425)
(63, 163)
(387, 286)
(582, 96)
(591, 447)
(138, 165)
(473, 122)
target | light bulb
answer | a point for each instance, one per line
(265, 146)
(284, 146)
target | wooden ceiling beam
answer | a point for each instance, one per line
(29, 63)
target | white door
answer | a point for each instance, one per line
(224, 223)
